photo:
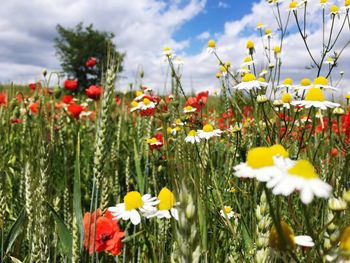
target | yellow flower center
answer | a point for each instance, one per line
(262, 156)
(166, 49)
(188, 108)
(247, 59)
(305, 82)
(227, 209)
(323, 1)
(259, 157)
(267, 31)
(248, 77)
(321, 81)
(146, 101)
(138, 93)
(287, 98)
(192, 133)
(259, 25)
(227, 64)
(288, 81)
(314, 94)
(133, 200)
(261, 79)
(278, 149)
(347, 2)
(223, 69)
(218, 75)
(303, 169)
(334, 9)
(208, 128)
(166, 198)
(277, 49)
(250, 44)
(169, 130)
(347, 96)
(293, 4)
(211, 43)
(288, 236)
(134, 104)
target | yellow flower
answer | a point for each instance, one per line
(250, 44)
(334, 10)
(211, 43)
(287, 98)
(277, 49)
(166, 199)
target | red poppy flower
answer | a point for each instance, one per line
(16, 121)
(118, 100)
(75, 110)
(32, 86)
(91, 62)
(34, 107)
(94, 92)
(67, 99)
(108, 235)
(70, 84)
(199, 101)
(3, 99)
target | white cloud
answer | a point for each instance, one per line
(143, 28)
(203, 36)
(231, 46)
(223, 5)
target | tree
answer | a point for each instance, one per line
(74, 48)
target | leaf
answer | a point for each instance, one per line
(15, 230)
(15, 260)
(64, 234)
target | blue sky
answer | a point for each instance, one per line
(212, 19)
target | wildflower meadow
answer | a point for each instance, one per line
(258, 171)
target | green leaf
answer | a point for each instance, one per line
(64, 234)
(15, 230)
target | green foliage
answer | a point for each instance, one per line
(75, 46)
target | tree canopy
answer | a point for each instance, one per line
(76, 46)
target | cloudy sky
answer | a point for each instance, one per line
(144, 27)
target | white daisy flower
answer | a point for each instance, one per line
(147, 104)
(168, 53)
(315, 98)
(298, 176)
(289, 239)
(135, 106)
(247, 61)
(189, 109)
(208, 132)
(249, 82)
(139, 95)
(211, 46)
(329, 61)
(287, 84)
(305, 84)
(346, 6)
(133, 203)
(167, 205)
(263, 73)
(260, 163)
(227, 212)
(322, 82)
(192, 137)
(243, 70)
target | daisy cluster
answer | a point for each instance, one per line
(272, 166)
(135, 205)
